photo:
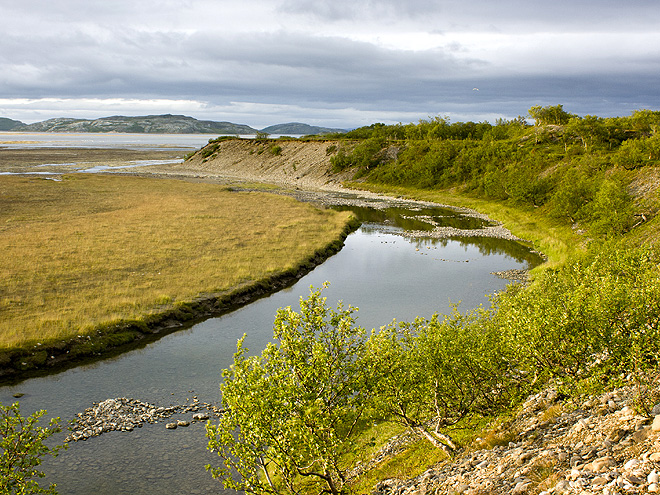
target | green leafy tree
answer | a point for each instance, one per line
(292, 412)
(590, 130)
(434, 374)
(549, 115)
(22, 448)
(611, 212)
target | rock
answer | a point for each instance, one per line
(200, 416)
(124, 414)
(562, 487)
(171, 426)
(183, 423)
(627, 412)
(656, 423)
(631, 464)
(641, 434)
(617, 435)
(653, 477)
(655, 457)
(462, 488)
(521, 487)
(653, 488)
(633, 479)
(600, 465)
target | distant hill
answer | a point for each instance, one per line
(151, 124)
(9, 124)
(298, 128)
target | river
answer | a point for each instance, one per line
(383, 273)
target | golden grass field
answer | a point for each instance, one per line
(94, 250)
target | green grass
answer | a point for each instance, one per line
(91, 251)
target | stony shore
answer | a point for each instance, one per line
(125, 414)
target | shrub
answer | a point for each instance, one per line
(22, 449)
(598, 314)
(434, 374)
(291, 413)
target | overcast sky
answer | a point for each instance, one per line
(338, 63)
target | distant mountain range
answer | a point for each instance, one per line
(298, 128)
(157, 124)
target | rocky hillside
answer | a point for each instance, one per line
(153, 124)
(599, 446)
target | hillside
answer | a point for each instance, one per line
(556, 390)
(303, 164)
(152, 124)
(296, 128)
(9, 124)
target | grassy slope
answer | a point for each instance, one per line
(91, 251)
(558, 240)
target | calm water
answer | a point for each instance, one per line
(101, 140)
(106, 140)
(384, 274)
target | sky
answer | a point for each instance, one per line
(334, 63)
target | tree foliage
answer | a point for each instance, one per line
(437, 373)
(291, 413)
(22, 448)
(512, 161)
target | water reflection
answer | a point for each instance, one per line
(422, 219)
(488, 246)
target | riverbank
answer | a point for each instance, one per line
(104, 263)
(38, 360)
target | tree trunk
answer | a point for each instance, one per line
(437, 440)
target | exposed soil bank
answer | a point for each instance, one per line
(300, 164)
(20, 364)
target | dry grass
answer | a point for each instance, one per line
(93, 250)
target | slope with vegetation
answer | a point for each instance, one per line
(315, 406)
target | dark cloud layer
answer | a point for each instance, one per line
(341, 62)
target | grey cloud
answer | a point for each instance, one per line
(102, 53)
(487, 15)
